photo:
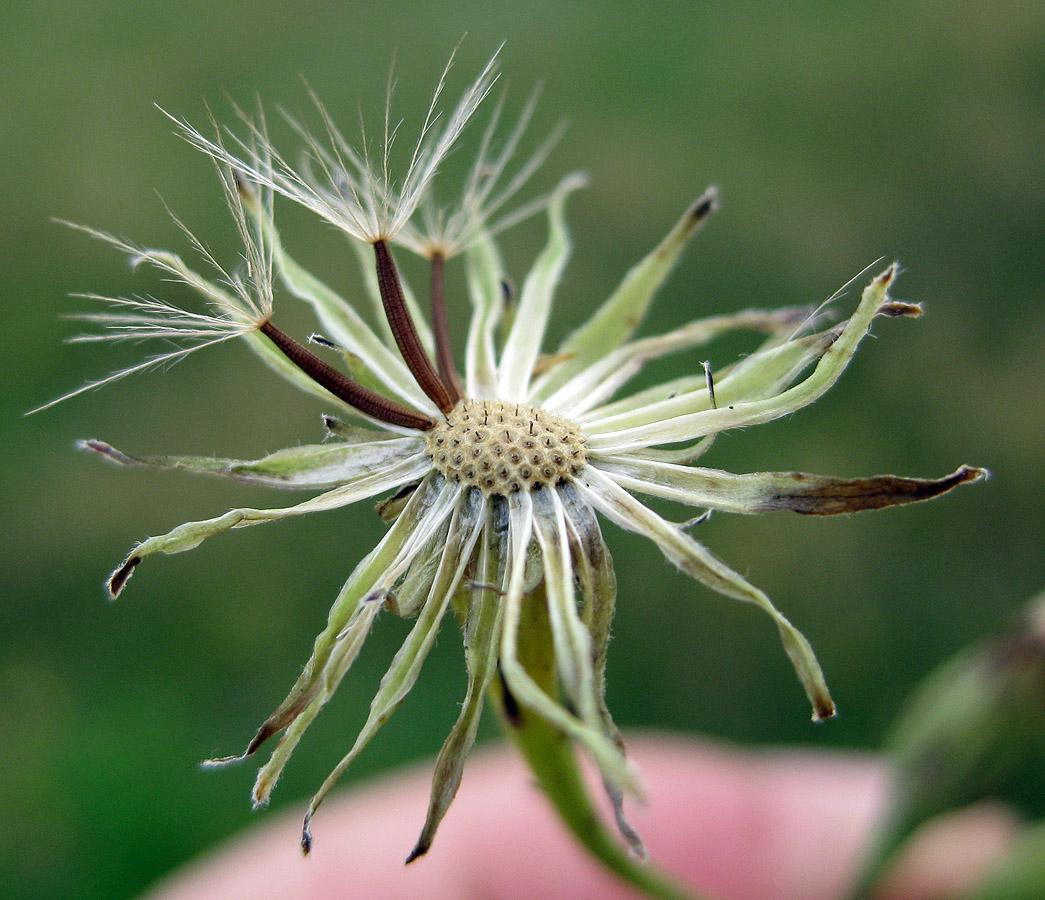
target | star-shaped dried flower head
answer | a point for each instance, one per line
(494, 477)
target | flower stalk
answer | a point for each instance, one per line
(550, 754)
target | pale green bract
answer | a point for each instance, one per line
(525, 568)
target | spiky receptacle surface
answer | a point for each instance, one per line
(502, 448)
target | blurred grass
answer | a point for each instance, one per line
(836, 134)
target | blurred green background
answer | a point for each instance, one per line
(837, 133)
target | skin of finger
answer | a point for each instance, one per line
(949, 855)
(736, 825)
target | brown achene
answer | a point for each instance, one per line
(341, 386)
(442, 387)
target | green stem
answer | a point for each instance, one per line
(891, 834)
(551, 758)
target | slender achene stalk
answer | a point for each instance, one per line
(342, 387)
(444, 354)
(405, 333)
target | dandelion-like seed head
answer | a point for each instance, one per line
(495, 475)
